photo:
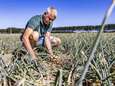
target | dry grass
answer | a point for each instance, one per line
(74, 51)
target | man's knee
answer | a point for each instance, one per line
(35, 35)
(33, 38)
(56, 41)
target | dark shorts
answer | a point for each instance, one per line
(41, 40)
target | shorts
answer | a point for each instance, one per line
(41, 40)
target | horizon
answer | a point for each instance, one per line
(16, 13)
(57, 27)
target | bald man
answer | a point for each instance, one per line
(38, 32)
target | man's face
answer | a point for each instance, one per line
(48, 18)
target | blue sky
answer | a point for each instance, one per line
(15, 13)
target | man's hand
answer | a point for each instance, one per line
(34, 62)
(38, 67)
(34, 57)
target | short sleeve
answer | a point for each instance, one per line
(50, 28)
(32, 23)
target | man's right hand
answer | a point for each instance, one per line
(34, 61)
(34, 56)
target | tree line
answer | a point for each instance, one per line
(62, 29)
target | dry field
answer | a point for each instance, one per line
(16, 68)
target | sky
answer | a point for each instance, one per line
(16, 13)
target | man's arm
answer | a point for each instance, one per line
(48, 43)
(26, 41)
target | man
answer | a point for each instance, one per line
(38, 31)
(113, 1)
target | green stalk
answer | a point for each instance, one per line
(96, 42)
(60, 77)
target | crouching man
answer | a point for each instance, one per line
(38, 31)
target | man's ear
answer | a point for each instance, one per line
(45, 13)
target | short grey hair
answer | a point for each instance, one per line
(52, 10)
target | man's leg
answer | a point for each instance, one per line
(55, 41)
(34, 38)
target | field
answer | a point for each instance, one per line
(16, 68)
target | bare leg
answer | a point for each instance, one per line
(34, 38)
(55, 41)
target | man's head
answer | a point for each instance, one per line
(49, 15)
(114, 1)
